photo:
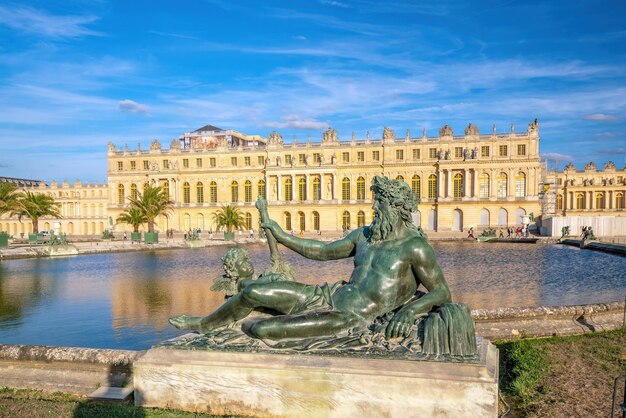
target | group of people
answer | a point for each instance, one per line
(519, 231)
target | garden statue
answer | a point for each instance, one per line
(379, 308)
(565, 232)
(588, 235)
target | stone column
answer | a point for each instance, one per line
(441, 181)
(476, 192)
(466, 182)
(308, 186)
(608, 200)
(449, 183)
(493, 186)
(279, 187)
(590, 195)
(510, 184)
(267, 187)
(335, 187)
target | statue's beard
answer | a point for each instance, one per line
(383, 224)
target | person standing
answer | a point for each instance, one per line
(470, 233)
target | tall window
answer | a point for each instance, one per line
(166, 187)
(484, 151)
(503, 150)
(186, 193)
(416, 153)
(261, 189)
(317, 191)
(288, 190)
(233, 161)
(185, 162)
(260, 160)
(345, 220)
(120, 195)
(302, 189)
(213, 192)
(399, 154)
(198, 162)
(317, 157)
(360, 219)
(133, 191)
(200, 192)
(120, 165)
(302, 221)
(458, 152)
(458, 185)
(619, 200)
(145, 187)
(521, 149)
(316, 221)
(599, 200)
(212, 162)
(559, 202)
(375, 155)
(432, 153)
(146, 165)
(246, 161)
(248, 218)
(247, 191)
(345, 157)
(502, 185)
(483, 183)
(432, 186)
(287, 221)
(360, 188)
(520, 185)
(345, 188)
(234, 191)
(580, 201)
(416, 186)
(133, 165)
(360, 156)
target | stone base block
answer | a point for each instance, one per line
(296, 385)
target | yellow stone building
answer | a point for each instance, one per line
(473, 179)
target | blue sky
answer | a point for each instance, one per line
(75, 75)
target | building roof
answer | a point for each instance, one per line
(206, 128)
(21, 182)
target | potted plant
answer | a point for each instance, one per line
(152, 203)
(229, 217)
(135, 218)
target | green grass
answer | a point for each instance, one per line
(523, 366)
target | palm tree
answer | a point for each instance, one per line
(134, 217)
(34, 206)
(230, 217)
(9, 197)
(152, 203)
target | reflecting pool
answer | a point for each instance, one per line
(123, 300)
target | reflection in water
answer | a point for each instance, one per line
(123, 300)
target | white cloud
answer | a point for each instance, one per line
(132, 106)
(601, 117)
(29, 20)
(334, 4)
(556, 156)
(294, 122)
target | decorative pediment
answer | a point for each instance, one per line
(275, 138)
(569, 167)
(446, 131)
(329, 136)
(155, 146)
(609, 165)
(388, 134)
(471, 130)
(533, 127)
(590, 166)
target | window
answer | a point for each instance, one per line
(599, 200)
(233, 161)
(458, 185)
(345, 188)
(198, 162)
(302, 190)
(301, 158)
(288, 190)
(146, 165)
(186, 193)
(260, 160)
(502, 185)
(317, 158)
(432, 153)
(520, 185)
(166, 164)
(199, 192)
(145, 187)
(345, 157)
(345, 220)
(288, 159)
(483, 183)
(416, 185)
(234, 191)
(458, 152)
(316, 221)
(432, 186)
(166, 188)
(248, 220)
(400, 178)
(212, 162)
(213, 192)
(360, 156)
(120, 166)
(261, 189)
(133, 191)
(133, 165)
(247, 191)
(288, 221)
(317, 191)
(185, 162)
(484, 151)
(360, 188)
(416, 153)
(619, 200)
(246, 161)
(375, 155)
(302, 221)
(399, 154)
(559, 202)
(120, 196)
(580, 201)
(503, 150)
(360, 219)
(521, 149)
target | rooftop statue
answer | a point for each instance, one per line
(380, 305)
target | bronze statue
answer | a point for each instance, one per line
(391, 258)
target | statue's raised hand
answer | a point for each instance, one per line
(271, 225)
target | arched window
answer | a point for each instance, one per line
(316, 221)
(261, 189)
(302, 221)
(619, 200)
(432, 186)
(120, 197)
(580, 201)
(248, 218)
(345, 220)
(247, 191)
(287, 221)
(288, 191)
(317, 191)
(400, 178)
(133, 191)
(234, 191)
(345, 188)
(416, 186)
(199, 221)
(502, 185)
(360, 219)
(559, 202)
(213, 192)
(458, 185)
(302, 190)
(166, 187)
(483, 184)
(200, 192)
(599, 200)
(186, 193)
(145, 187)
(520, 185)
(360, 188)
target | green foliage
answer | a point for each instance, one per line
(134, 217)
(151, 203)
(524, 366)
(9, 197)
(229, 217)
(34, 206)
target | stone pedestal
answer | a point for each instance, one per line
(298, 385)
